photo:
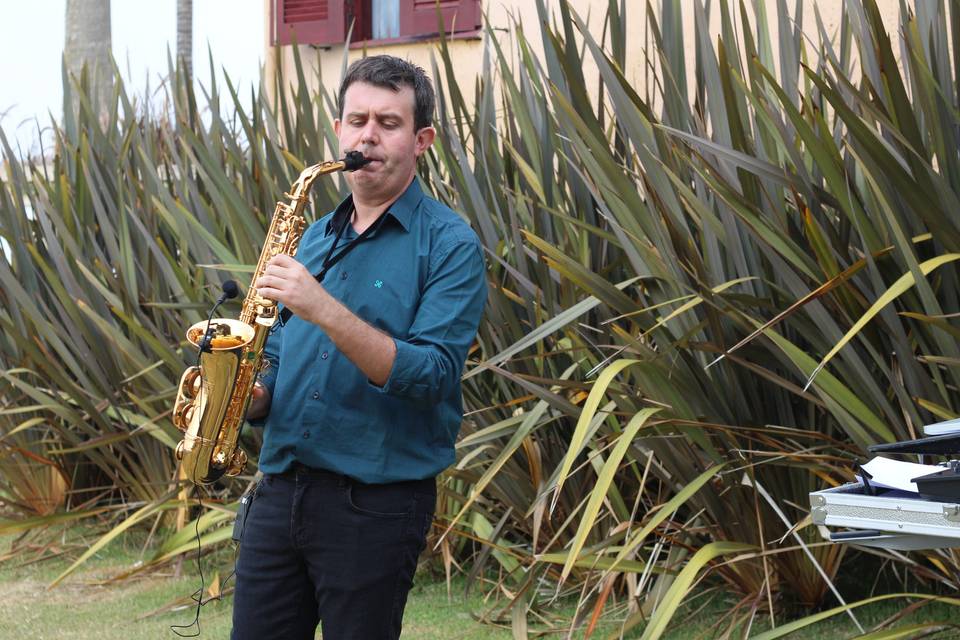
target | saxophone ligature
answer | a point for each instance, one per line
(213, 396)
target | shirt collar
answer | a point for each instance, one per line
(401, 210)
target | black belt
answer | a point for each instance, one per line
(300, 470)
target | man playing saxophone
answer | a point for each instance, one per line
(360, 398)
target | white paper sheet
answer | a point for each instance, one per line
(942, 428)
(897, 475)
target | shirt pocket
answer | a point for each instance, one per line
(388, 301)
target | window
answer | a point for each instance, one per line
(326, 22)
(384, 19)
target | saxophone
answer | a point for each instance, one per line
(212, 397)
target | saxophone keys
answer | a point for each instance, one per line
(237, 462)
(186, 416)
(190, 382)
(187, 392)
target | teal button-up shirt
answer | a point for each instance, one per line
(418, 277)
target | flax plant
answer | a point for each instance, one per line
(761, 270)
(112, 246)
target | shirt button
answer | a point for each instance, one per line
(306, 434)
(324, 355)
(316, 395)
(343, 275)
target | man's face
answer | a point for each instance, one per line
(379, 123)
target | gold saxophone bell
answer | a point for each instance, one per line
(213, 396)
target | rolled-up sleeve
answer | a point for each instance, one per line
(429, 363)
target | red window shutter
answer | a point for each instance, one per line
(310, 21)
(419, 17)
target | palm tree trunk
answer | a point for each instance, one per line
(87, 43)
(185, 35)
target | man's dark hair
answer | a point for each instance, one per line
(390, 72)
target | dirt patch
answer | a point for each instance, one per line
(80, 587)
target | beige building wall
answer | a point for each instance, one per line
(325, 65)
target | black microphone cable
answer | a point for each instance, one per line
(197, 596)
(229, 290)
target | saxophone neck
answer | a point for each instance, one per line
(301, 188)
(352, 161)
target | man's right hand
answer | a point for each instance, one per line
(259, 402)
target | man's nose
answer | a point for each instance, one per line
(369, 134)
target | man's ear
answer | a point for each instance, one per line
(425, 138)
(336, 126)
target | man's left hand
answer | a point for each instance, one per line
(287, 281)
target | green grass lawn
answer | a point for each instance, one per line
(85, 607)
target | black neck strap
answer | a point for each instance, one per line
(330, 259)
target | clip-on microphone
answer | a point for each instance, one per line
(230, 291)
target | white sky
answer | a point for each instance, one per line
(31, 43)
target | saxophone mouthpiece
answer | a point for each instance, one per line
(354, 160)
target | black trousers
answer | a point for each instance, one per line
(320, 547)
